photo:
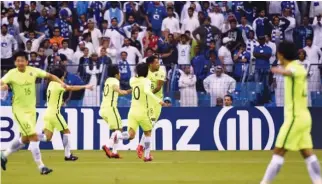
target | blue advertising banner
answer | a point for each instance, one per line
(202, 128)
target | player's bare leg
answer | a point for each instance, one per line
(15, 146)
(274, 166)
(313, 165)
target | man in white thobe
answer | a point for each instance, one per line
(219, 85)
(132, 53)
(188, 91)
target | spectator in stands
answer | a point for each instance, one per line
(8, 46)
(187, 85)
(173, 77)
(35, 61)
(317, 27)
(262, 53)
(135, 42)
(46, 46)
(241, 59)
(219, 85)
(96, 34)
(260, 24)
(168, 51)
(7, 15)
(235, 34)
(51, 58)
(302, 32)
(88, 43)
(314, 57)
(211, 50)
(42, 23)
(245, 28)
(311, 80)
(219, 102)
(278, 85)
(132, 53)
(171, 23)
(116, 34)
(28, 49)
(287, 14)
(225, 56)
(228, 100)
(292, 8)
(96, 9)
(167, 100)
(41, 56)
(154, 17)
(69, 53)
(74, 99)
(206, 34)
(201, 67)
(277, 29)
(104, 27)
(83, 62)
(111, 52)
(26, 20)
(80, 25)
(77, 56)
(217, 18)
(94, 70)
(251, 43)
(103, 58)
(125, 71)
(184, 13)
(214, 62)
(63, 23)
(149, 52)
(114, 12)
(131, 8)
(315, 9)
(190, 23)
(13, 29)
(32, 37)
(184, 51)
(56, 38)
(272, 59)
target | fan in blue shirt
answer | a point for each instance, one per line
(262, 53)
(125, 71)
(302, 32)
(241, 59)
(155, 16)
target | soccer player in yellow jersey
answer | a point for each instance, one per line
(53, 119)
(157, 78)
(22, 82)
(294, 135)
(108, 110)
(142, 98)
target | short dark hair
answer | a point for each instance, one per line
(149, 49)
(133, 32)
(104, 21)
(20, 54)
(112, 70)
(32, 31)
(11, 16)
(190, 8)
(86, 35)
(123, 52)
(142, 70)
(149, 29)
(56, 28)
(150, 60)
(33, 53)
(65, 41)
(288, 50)
(229, 96)
(170, 8)
(58, 72)
(29, 41)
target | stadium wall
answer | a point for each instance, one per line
(202, 128)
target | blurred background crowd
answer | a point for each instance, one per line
(215, 53)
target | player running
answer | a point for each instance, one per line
(157, 78)
(139, 111)
(294, 134)
(22, 82)
(108, 110)
(53, 119)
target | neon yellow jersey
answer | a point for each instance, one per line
(154, 78)
(55, 93)
(24, 87)
(295, 91)
(110, 96)
(141, 95)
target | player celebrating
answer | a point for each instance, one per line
(22, 82)
(139, 111)
(108, 110)
(157, 78)
(53, 119)
(294, 134)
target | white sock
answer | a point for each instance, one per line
(16, 145)
(34, 148)
(147, 146)
(115, 147)
(66, 142)
(125, 135)
(273, 168)
(313, 166)
(142, 140)
(42, 137)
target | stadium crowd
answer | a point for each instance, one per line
(205, 47)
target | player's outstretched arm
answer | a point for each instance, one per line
(281, 71)
(147, 91)
(77, 88)
(52, 77)
(121, 92)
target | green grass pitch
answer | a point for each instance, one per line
(229, 167)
